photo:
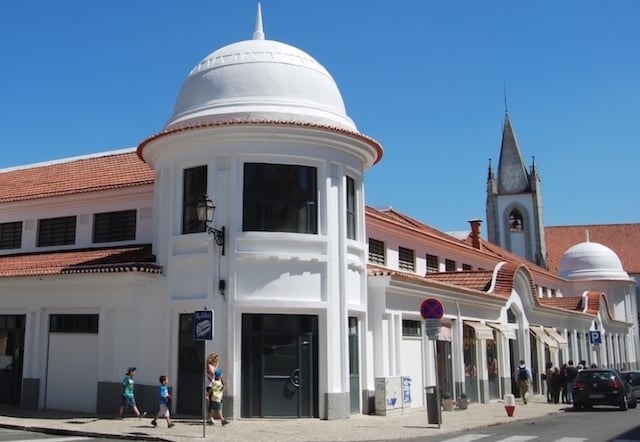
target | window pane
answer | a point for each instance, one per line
(376, 252)
(351, 208)
(279, 198)
(432, 263)
(194, 188)
(11, 235)
(114, 226)
(57, 231)
(406, 259)
(449, 265)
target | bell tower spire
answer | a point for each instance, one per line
(514, 202)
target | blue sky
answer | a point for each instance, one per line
(425, 78)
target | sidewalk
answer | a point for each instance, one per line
(411, 423)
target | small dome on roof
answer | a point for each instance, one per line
(591, 260)
(260, 80)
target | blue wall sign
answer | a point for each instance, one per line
(203, 325)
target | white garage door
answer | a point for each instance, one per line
(412, 367)
(72, 372)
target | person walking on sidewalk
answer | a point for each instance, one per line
(128, 397)
(523, 375)
(215, 399)
(164, 403)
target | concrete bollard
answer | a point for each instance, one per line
(509, 404)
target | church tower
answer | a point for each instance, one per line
(514, 203)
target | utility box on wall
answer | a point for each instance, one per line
(388, 395)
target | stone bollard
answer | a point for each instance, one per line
(509, 404)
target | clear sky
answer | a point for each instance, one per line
(425, 78)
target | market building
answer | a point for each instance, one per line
(250, 203)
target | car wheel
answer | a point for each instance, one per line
(633, 404)
(624, 405)
(576, 405)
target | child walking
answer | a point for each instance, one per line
(215, 399)
(128, 398)
(164, 403)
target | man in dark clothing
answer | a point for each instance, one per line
(572, 372)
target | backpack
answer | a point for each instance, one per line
(522, 374)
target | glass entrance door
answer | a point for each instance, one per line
(279, 366)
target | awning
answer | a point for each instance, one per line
(508, 333)
(539, 333)
(482, 331)
(562, 342)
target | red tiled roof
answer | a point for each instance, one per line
(111, 259)
(623, 239)
(110, 171)
(569, 303)
(474, 279)
(211, 124)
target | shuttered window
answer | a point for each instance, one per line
(406, 259)
(57, 231)
(11, 235)
(114, 226)
(376, 252)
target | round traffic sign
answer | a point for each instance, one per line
(431, 308)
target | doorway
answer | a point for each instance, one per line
(190, 369)
(279, 365)
(11, 358)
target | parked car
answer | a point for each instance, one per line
(633, 379)
(601, 386)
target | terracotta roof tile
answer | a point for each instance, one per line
(475, 279)
(573, 303)
(624, 239)
(81, 175)
(111, 259)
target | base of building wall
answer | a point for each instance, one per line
(337, 406)
(369, 402)
(30, 393)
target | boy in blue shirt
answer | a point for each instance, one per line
(164, 402)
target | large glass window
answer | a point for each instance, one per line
(114, 226)
(194, 184)
(11, 235)
(280, 198)
(351, 208)
(57, 231)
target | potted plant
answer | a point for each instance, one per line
(463, 401)
(447, 401)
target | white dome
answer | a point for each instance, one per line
(260, 80)
(590, 260)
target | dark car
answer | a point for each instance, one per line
(633, 379)
(601, 386)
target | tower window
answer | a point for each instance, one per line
(280, 198)
(515, 221)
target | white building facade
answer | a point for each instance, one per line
(104, 259)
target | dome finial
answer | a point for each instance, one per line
(258, 34)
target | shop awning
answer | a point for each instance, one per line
(562, 342)
(482, 331)
(539, 333)
(508, 333)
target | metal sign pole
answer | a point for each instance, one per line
(204, 398)
(435, 360)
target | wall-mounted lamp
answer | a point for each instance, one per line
(206, 211)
